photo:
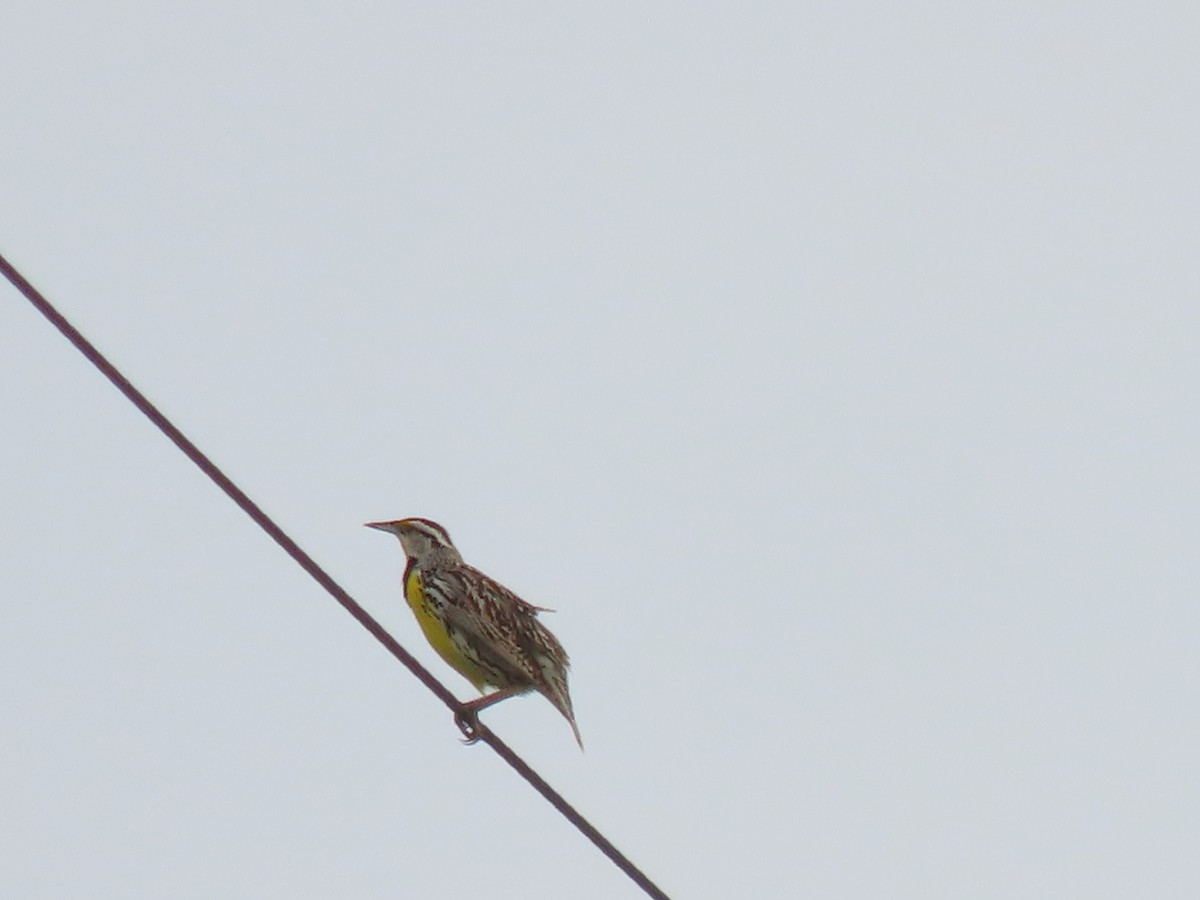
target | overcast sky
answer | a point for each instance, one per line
(830, 369)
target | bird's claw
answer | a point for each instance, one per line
(468, 723)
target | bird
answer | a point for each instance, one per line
(484, 631)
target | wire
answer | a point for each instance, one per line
(306, 562)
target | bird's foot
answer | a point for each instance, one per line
(467, 720)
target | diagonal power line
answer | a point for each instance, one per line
(306, 562)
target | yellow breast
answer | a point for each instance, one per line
(437, 635)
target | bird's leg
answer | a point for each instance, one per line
(466, 717)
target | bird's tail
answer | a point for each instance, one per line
(555, 690)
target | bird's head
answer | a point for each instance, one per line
(422, 540)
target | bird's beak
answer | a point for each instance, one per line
(382, 526)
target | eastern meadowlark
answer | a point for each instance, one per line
(487, 633)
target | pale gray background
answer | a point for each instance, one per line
(832, 370)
